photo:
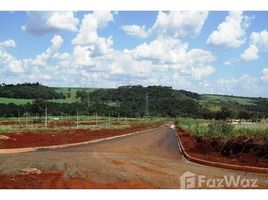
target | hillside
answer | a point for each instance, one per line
(29, 91)
(135, 101)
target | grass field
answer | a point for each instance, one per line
(219, 98)
(57, 123)
(201, 127)
(15, 101)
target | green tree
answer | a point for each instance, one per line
(38, 107)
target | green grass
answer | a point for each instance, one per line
(72, 91)
(218, 98)
(200, 127)
(15, 101)
(103, 123)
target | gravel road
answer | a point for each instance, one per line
(152, 158)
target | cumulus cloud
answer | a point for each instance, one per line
(264, 76)
(176, 24)
(135, 30)
(231, 32)
(40, 23)
(258, 42)
(88, 32)
(9, 63)
(179, 23)
(250, 53)
(82, 56)
(201, 72)
(42, 58)
(260, 39)
(245, 85)
(170, 51)
(8, 43)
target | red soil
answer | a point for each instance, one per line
(49, 138)
(205, 150)
(56, 180)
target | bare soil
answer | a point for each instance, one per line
(49, 138)
(56, 180)
(239, 150)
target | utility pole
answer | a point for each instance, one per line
(77, 120)
(46, 117)
(96, 119)
(18, 116)
(146, 105)
(109, 118)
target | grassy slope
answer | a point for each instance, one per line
(218, 98)
(15, 101)
(212, 100)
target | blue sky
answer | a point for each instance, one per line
(206, 52)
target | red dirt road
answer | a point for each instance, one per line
(145, 160)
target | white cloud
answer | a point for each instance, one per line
(258, 42)
(244, 85)
(8, 43)
(179, 23)
(8, 63)
(135, 30)
(40, 23)
(251, 53)
(42, 58)
(231, 32)
(88, 32)
(171, 52)
(162, 51)
(264, 76)
(15, 66)
(82, 56)
(260, 39)
(201, 72)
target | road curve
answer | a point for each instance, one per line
(152, 158)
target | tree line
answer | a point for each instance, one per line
(131, 101)
(29, 91)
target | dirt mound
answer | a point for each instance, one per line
(239, 150)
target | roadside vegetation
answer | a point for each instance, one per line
(212, 128)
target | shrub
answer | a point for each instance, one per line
(220, 128)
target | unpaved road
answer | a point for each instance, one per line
(146, 160)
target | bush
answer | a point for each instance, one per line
(220, 128)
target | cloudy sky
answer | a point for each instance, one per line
(205, 52)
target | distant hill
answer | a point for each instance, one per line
(130, 101)
(29, 91)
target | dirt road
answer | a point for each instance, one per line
(147, 160)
